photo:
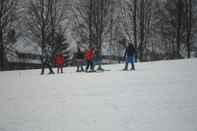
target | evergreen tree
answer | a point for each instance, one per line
(61, 46)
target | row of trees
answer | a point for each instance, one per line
(7, 17)
(171, 23)
(178, 21)
(168, 26)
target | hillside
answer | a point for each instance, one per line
(158, 96)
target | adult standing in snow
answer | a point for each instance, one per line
(79, 56)
(59, 61)
(89, 59)
(130, 53)
(46, 60)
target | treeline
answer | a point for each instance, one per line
(43, 21)
(165, 27)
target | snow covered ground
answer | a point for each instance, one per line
(158, 96)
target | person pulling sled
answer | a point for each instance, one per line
(46, 60)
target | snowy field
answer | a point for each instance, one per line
(158, 96)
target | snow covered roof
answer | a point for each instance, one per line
(24, 45)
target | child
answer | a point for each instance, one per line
(79, 60)
(89, 59)
(59, 61)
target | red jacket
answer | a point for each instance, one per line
(59, 60)
(89, 55)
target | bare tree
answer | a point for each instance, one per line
(92, 18)
(44, 18)
(179, 7)
(90, 22)
(141, 19)
(82, 17)
(7, 16)
(188, 26)
(100, 21)
(177, 27)
(135, 24)
(38, 20)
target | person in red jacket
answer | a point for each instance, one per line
(59, 61)
(89, 56)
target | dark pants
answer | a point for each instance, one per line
(46, 64)
(91, 65)
(79, 65)
(130, 59)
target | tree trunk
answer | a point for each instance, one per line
(179, 24)
(53, 13)
(111, 27)
(101, 15)
(189, 26)
(42, 27)
(135, 26)
(1, 50)
(1, 39)
(90, 22)
(141, 30)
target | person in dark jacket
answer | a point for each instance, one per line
(89, 59)
(46, 60)
(79, 60)
(130, 53)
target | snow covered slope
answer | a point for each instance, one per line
(158, 96)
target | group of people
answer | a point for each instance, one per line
(89, 57)
(81, 58)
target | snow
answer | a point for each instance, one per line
(158, 96)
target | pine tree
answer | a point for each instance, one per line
(61, 46)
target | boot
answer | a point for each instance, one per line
(133, 67)
(126, 67)
(51, 73)
(82, 69)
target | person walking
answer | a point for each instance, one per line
(46, 60)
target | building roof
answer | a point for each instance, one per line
(24, 51)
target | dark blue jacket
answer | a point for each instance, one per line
(130, 51)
